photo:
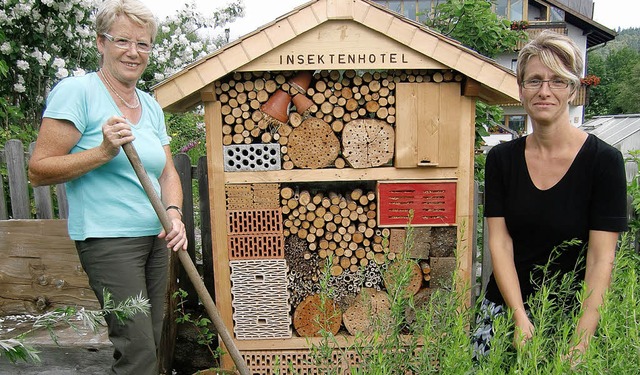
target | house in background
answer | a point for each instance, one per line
(570, 17)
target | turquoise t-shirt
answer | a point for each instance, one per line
(109, 201)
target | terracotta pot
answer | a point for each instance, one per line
(277, 106)
(302, 103)
(301, 81)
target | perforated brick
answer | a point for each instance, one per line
(254, 221)
(255, 234)
(256, 246)
(267, 362)
(261, 308)
(253, 157)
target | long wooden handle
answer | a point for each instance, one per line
(186, 261)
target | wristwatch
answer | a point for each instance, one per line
(175, 208)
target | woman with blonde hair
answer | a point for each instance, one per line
(120, 241)
(554, 185)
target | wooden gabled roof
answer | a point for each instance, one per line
(308, 24)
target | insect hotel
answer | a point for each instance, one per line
(330, 131)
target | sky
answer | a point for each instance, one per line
(613, 14)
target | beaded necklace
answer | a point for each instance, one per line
(131, 106)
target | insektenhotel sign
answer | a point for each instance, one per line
(343, 58)
(340, 45)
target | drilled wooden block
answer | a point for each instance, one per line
(442, 269)
(275, 187)
(261, 308)
(237, 190)
(421, 243)
(266, 202)
(396, 240)
(239, 203)
(253, 157)
(432, 203)
(443, 241)
(252, 196)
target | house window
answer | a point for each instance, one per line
(418, 10)
(556, 15)
(395, 5)
(537, 11)
(512, 10)
(515, 123)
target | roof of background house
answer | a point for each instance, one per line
(613, 129)
(595, 32)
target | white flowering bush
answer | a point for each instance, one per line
(44, 41)
(186, 37)
(182, 39)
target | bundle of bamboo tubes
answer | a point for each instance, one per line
(341, 226)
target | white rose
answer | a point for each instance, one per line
(62, 73)
(22, 65)
(5, 48)
(19, 87)
(58, 63)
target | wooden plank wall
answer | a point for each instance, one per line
(20, 200)
(40, 270)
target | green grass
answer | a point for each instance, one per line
(439, 340)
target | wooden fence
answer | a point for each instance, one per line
(40, 261)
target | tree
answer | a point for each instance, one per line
(44, 41)
(617, 92)
(618, 65)
(186, 37)
(475, 25)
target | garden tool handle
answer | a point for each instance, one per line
(186, 261)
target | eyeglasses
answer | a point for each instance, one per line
(124, 43)
(554, 84)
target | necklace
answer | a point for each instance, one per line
(131, 106)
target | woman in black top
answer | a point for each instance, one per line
(554, 185)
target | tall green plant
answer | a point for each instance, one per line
(15, 349)
(474, 24)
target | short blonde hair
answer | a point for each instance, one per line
(110, 10)
(557, 52)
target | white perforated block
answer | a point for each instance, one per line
(261, 308)
(253, 157)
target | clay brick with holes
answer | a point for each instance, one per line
(256, 246)
(254, 221)
(433, 203)
(267, 362)
(255, 234)
(261, 308)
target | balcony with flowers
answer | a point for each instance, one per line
(582, 93)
